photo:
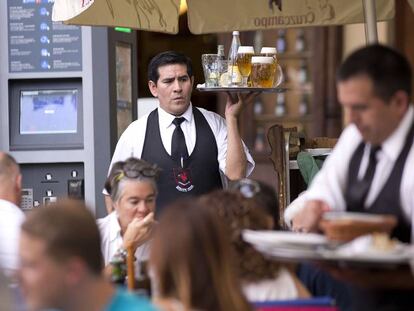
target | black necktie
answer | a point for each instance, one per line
(178, 146)
(361, 189)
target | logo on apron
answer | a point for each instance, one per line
(183, 179)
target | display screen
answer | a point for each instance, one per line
(49, 111)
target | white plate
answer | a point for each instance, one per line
(335, 215)
(271, 239)
(361, 249)
(319, 151)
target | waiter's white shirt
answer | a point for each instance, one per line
(131, 141)
(11, 218)
(330, 182)
(111, 241)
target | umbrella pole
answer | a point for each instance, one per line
(370, 15)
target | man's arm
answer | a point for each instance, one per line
(236, 162)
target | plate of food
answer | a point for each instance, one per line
(376, 248)
(345, 226)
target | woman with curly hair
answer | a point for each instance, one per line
(262, 279)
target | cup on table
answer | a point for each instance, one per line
(211, 69)
(263, 72)
(244, 62)
(272, 52)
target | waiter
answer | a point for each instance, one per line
(196, 149)
(370, 169)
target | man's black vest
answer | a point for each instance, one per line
(388, 200)
(200, 172)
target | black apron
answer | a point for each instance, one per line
(200, 172)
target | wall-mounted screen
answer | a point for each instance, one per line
(48, 111)
(46, 114)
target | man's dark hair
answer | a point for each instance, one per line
(388, 69)
(168, 58)
(69, 230)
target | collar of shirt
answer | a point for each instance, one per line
(166, 119)
(393, 145)
(114, 227)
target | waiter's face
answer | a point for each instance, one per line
(173, 88)
(374, 118)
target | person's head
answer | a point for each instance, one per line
(374, 87)
(59, 251)
(10, 179)
(240, 213)
(170, 79)
(264, 196)
(133, 189)
(191, 260)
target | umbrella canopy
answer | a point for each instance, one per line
(209, 16)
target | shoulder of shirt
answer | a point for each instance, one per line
(209, 114)
(104, 224)
(11, 208)
(138, 124)
(350, 134)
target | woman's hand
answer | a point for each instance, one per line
(138, 231)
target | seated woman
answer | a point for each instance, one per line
(262, 279)
(133, 190)
(190, 262)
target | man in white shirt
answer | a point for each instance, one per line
(195, 148)
(370, 168)
(11, 215)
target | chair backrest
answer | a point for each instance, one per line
(285, 143)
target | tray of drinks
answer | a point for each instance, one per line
(240, 89)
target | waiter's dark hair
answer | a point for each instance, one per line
(168, 58)
(388, 69)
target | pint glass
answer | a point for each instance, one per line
(272, 52)
(243, 60)
(263, 72)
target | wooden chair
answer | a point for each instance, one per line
(285, 143)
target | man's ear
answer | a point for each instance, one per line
(192, 82)
(18, 182)
(153, 88)
(401, 101)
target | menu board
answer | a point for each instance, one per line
(36, 44)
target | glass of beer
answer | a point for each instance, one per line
(272, 52)
(244, 62)
(263, 72)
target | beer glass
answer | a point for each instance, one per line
(243, 61)
(263, 72)
(272, 52)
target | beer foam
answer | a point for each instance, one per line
(268, 50)
(245, 50)
(262, 60)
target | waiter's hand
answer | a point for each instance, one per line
(307, 220)
(138, 231)
(234, 103)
